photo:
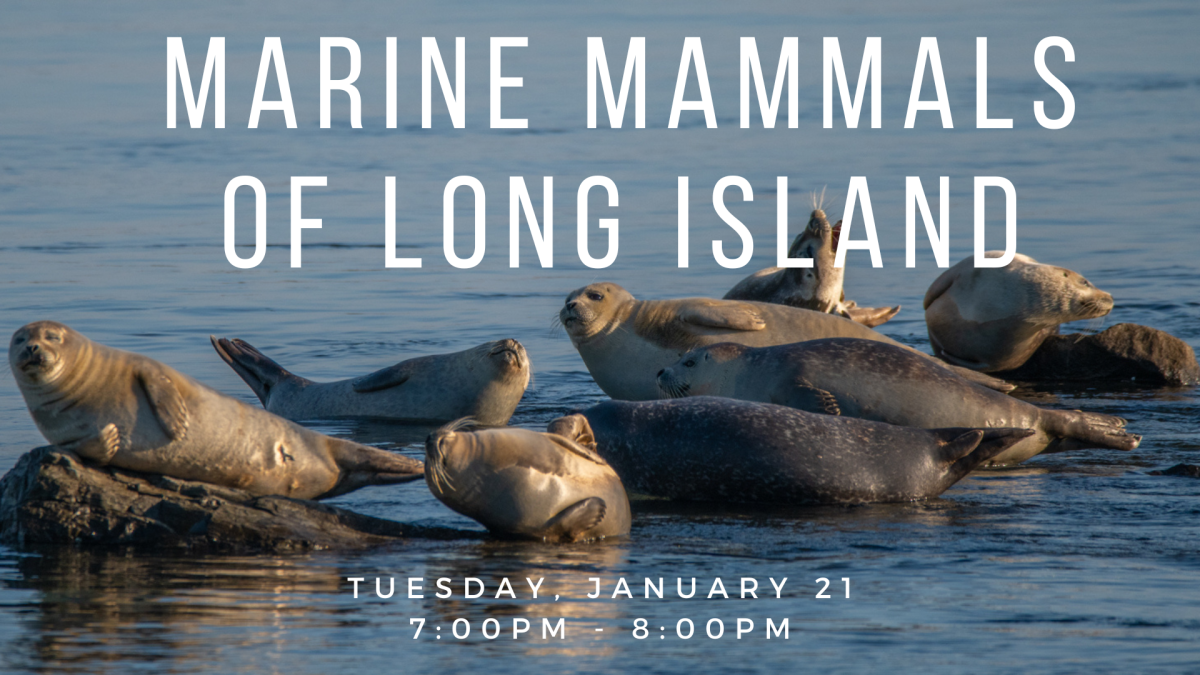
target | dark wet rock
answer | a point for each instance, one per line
(1189, 470)
(52, 497)
(1125, 351)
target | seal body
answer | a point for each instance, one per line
(485, 383)
(115, 407)
(718, 449)
(994, 319)
(880, 382)
(527, 484)
(625, 342)
(819, 287)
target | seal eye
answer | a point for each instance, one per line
(53, 337)
(596, 297)
(689, 363)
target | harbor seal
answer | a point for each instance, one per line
(719, 449)
(880, 382)
(118, 408)
(485, 383)
(527, 484)
(994, 319)
(624, 341)
(819, 287)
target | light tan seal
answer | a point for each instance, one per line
(624, 342)
(819, 287)
(484, 383)
(880, 382)
(527, 484)
(994, 319)
(115, 407)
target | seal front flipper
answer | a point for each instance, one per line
(584, 451)
(727, 316)
(258, 371)
(100, 448)
(575, 428)
(804, 396)
(168, 404)
(573, 521)
(386, 378)
(982, 379)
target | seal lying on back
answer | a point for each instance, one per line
(130, 411)
(719, 449)
(993, 319)
(484, 383)
(819, 287)
(876, 381)
(625, 342)
(527, 484)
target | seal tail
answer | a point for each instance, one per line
(1080, 430)
(962, 450)
(361, 465)
(258, 371)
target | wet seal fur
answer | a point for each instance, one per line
(876, 381)
(719, 449)
(522, 483)
(819, 287)
(485, 383)
(625, 342)
(994, 319)
(117, 408)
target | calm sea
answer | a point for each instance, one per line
(113, 224)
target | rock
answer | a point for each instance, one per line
(1123, 352)
(52, 497)
(1189, 470)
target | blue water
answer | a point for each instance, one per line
(113, 224)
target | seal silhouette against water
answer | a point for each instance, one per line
(526, 484)
(115, 407)
(719, 449)
(485, 383)
(994, 318)
(819, 287)
(876, 381)
(625, 342)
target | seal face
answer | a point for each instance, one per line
(994, 319)
(819, 287)
(718, 449)
(880, 382)
(485, 383)
(526, 484)
(115, 407)
(625, 342)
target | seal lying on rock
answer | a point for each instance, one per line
(132, 412)
(719, 449)
(876, 381)
(992, 319)
(527, 484)
(625, 342)
(819, 287)
(484, 383)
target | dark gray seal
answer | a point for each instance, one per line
(881, 382)
(719, 449)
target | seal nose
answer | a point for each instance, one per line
(660, 373)
(571, 304)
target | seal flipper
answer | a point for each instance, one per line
(804, 396)
(385, 378)
(100, 448)
(1083, 430)
(570, 523)
(870, 316)
(576, 428)
(725, 316)
(962, 450)
(362, 465)
(169, 406)
(258, 371)
(982, 379)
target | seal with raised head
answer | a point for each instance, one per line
(880, 382)
(625, 342)
(994, 318)
(485, 383)
(720, 449)
(819, 287)
(113, 407)
(522, 483)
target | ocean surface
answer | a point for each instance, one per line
(114, 224)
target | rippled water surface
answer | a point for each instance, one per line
(113, 224)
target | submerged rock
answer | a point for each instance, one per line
(1189, 470)
(1123, 352)
(53, 497)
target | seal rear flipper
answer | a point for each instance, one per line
(570, 523)
(965, 449)
(385, 378)
(168, 404)
(98, 449)
(362, 465)
(726, 316)
(1079, 430)
(870, 316)
(258, 371)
